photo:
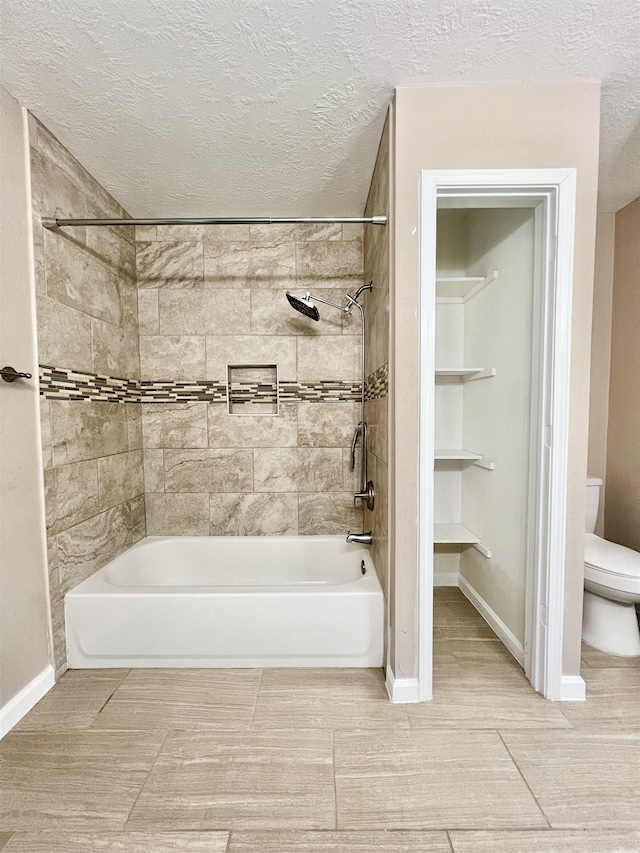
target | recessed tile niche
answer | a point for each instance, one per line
(252, 389)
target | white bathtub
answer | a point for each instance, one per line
(229, 601)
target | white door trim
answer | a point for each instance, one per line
(554, 189)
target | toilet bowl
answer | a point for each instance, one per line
(612, 587)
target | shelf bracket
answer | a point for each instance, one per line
(484, 463)
(483, 550)
(485, 374)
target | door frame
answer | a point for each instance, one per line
(552, 193)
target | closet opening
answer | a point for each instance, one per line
(495, 308)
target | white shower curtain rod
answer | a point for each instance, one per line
(55, 222)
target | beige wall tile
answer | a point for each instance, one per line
(175, 264)
(174, 425)
(327, 424)
(137, 521)
(177, 515)
(352, 231)
(377, 416)
(322, 514)
(153, 470)
(204, 312)
(247, 349)
(249, 264)
(271, 314)
(203, 232)
(296, 468)
(172, 357)
(319, 263)
(45, 432)
(231, 430)
(71, 494)
(115, 351)
(120, 477)
(52, 193)
(292, 232)
(146, 233)
(148, 312)
(208, 470)
(76, 278)
(329, 358)
(87, 430)
(253, 514)
(134, 425)
(90, 545)
(64, 336)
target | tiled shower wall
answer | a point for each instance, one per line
(376, 269)
(210, 296)
(87, 321)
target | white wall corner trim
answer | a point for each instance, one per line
(402, 690)
(573, 689)
(24, 701)
(493, 620)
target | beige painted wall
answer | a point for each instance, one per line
(24, 611)
(622, 511)
(601, 354)
(486, 126)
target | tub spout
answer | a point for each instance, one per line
(361, 538)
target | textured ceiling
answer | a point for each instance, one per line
(258, 107)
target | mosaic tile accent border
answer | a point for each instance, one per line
(57, 383)
(377, 384)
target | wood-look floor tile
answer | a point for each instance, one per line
(582, 780)
(475, 631)
(545, 841)
(326, 699)
(447, 593)
(595, 658)
(182, 699)
(4, 839)
(339, 842)
(482, 653)
(240, 780)
(74, 702)
(454, 612)
(485, 700)
(119, 842)
(429, 780)
(73, 780)
(613, 700)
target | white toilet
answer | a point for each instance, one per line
(611, 587)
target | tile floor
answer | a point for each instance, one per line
(318, 761)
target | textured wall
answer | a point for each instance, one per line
(622, 510)
(87, 321)
(214, 295)
(376, 269)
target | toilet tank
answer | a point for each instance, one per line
(592, 504)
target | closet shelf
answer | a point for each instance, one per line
(462, 289)
(457, 534)
(458, 371)
(457, 455)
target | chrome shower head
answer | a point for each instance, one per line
(304, 305)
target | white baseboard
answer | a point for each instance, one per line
(446, 578)
(402, 690)
(23, 702)
(493, 620)
(573, 689)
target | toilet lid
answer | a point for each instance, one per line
(611, 557)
